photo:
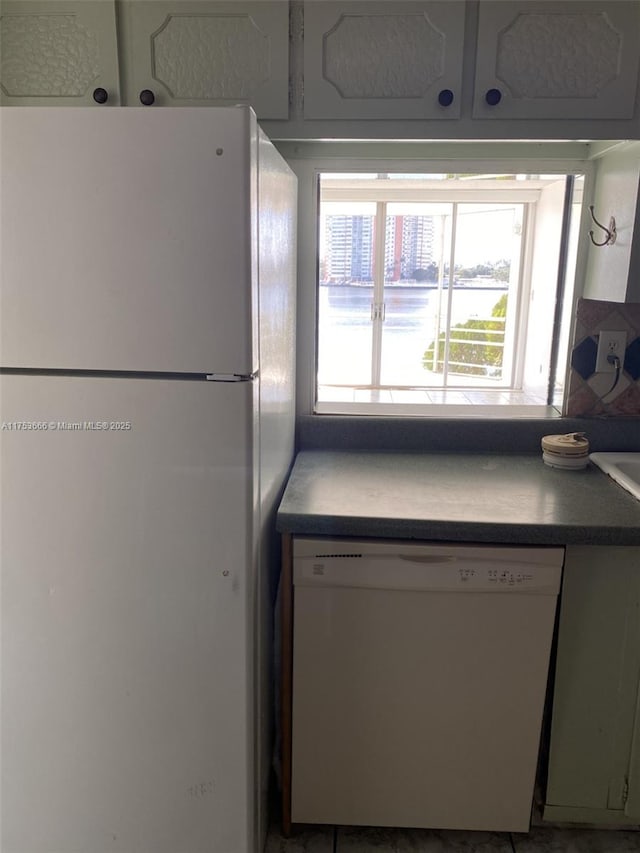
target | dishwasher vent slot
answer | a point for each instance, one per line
(337, 556)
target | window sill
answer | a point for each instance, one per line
(438, 410)
(439, 403)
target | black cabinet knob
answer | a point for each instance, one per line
(445, 98)
(493, 97)
(100, 96)
(147, 97)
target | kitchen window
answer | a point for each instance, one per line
(552, 182)
(446, 289)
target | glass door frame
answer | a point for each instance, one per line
(381, 192)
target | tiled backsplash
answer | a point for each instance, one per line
(591, 393)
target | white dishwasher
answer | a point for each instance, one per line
(419, 678)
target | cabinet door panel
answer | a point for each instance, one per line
(208, 53)
(58, 53)
(596, 682)
(576, 60)
(383, 60)
(632, 806)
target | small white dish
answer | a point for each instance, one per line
(568, 463)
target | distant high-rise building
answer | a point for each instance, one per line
(349, 245)
(393, 251)
(417, 243)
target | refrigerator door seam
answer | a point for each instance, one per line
(128, 374)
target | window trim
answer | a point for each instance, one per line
(310, 159)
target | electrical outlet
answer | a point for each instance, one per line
(610, 343)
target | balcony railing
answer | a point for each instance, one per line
(476, 349)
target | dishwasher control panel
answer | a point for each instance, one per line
(384, 564)
(498, 576)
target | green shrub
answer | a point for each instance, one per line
(475, 347)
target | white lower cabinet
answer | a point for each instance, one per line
(594, 762)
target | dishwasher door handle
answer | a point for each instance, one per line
(428, 559)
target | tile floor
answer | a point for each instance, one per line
(369, 840)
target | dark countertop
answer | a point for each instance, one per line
(468, 497)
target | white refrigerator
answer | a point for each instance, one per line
(146, 399)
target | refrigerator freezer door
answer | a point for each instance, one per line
(128, 239)
(128, 558)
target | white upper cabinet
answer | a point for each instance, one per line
(179, 53)
(560, 60)
(58, 53)
(383, 60)
(343, 69)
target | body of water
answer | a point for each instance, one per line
(345, 334)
